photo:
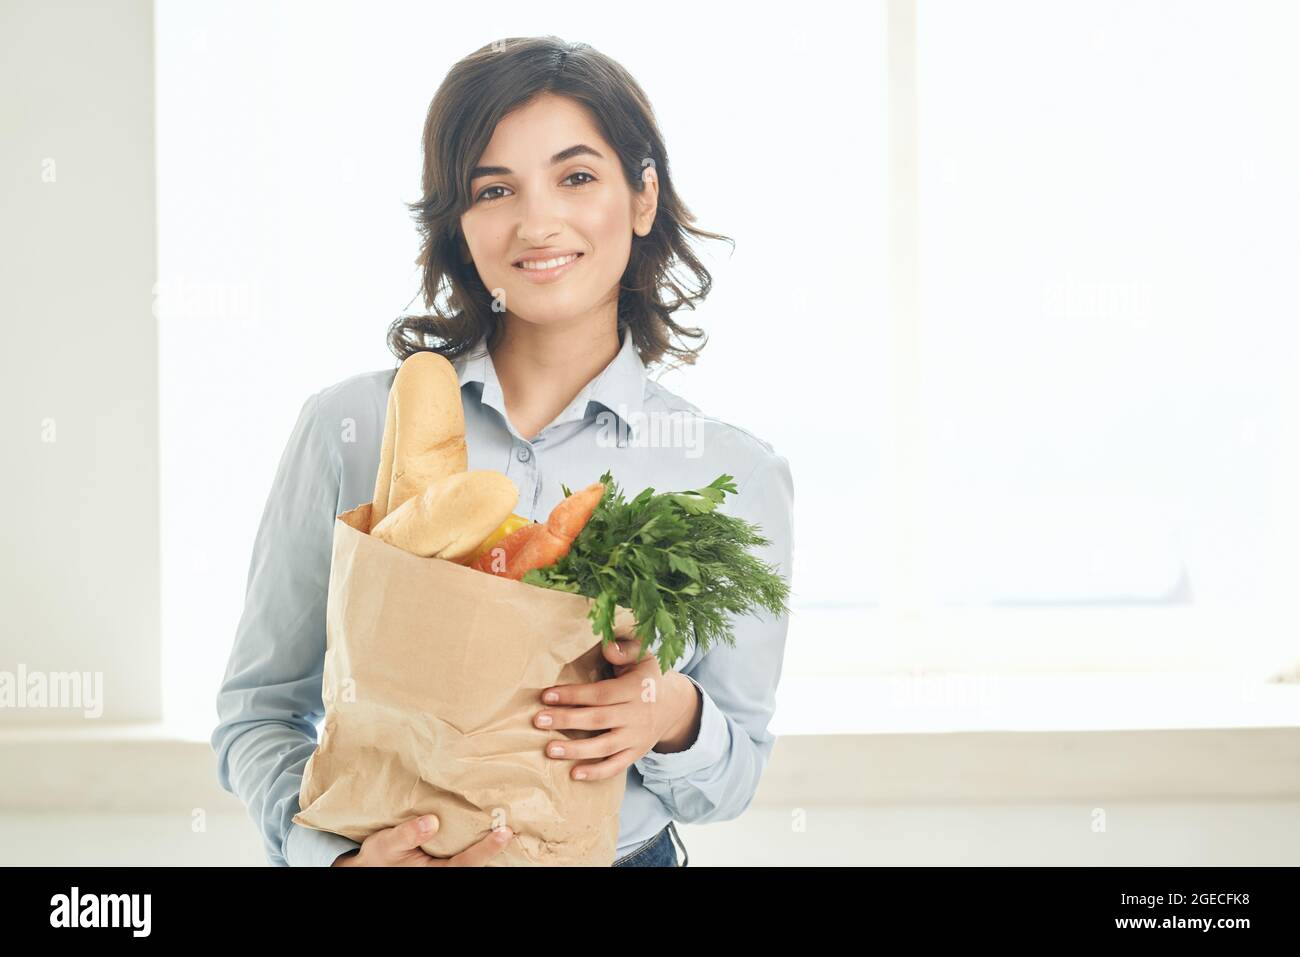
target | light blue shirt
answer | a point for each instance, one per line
(269, 706)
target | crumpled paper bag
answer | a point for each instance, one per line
(433, 674)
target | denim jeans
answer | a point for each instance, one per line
(657, 852)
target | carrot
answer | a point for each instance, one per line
(495, 561)
(542, 544)
(570, 517)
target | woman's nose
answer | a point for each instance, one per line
(539, 219)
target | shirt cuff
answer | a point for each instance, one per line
(308, 847)
(708, 749)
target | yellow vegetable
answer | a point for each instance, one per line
(505, 528)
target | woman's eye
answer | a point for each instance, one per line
(486, 194)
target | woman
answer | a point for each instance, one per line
(550, 226)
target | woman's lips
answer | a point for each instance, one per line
(548, 275)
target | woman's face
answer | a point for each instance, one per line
(527, 203)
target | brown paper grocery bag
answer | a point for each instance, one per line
(433, 674)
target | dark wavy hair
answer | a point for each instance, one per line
(477, 92)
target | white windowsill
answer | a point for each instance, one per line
(1091, 701)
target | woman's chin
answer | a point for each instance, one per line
(548, 304)
(548, 314)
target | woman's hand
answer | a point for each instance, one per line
(641, 707)
(400, 847)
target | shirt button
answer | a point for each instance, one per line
(523, 454)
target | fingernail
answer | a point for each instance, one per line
(550, 697)
(503, 834)
(426, 824)
(580, 775)
(544, 720)
(557, 751)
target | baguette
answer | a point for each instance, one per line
(452, 517)
(384, 477)
(428, 431)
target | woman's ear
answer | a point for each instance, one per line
(646, 201)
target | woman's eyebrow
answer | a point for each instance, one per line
(581, 149)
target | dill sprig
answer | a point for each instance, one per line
(680, 565)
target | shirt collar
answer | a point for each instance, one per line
(619, 387)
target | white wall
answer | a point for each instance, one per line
(79, 570)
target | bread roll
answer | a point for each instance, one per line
(452, 517)
(429, 438)
(384, 477)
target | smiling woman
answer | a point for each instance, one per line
(555, 251)
(525, 134)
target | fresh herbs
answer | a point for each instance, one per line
(680, 565)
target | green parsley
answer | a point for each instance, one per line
(680, 565)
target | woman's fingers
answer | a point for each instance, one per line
(581, 719)
(396, 846)
(411, 834)
(621, 651)
(616, 763)
(476, 855)
(602, 745)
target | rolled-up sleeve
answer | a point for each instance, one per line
(716, 778)
(270, 697)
